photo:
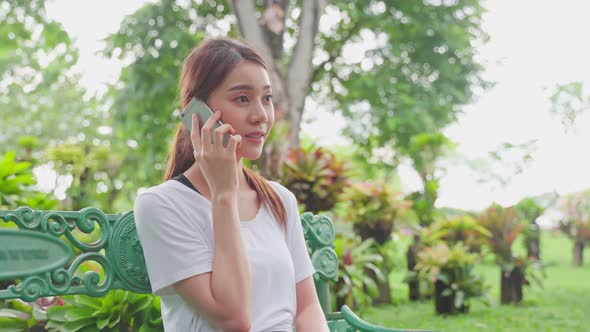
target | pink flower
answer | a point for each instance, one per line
(44, 303)
(347, 257)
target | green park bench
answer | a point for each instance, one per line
(38, 253)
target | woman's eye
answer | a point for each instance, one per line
(242, 99)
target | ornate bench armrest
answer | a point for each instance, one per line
(358, 324)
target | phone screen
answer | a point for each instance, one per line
(199, 107)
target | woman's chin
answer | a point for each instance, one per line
(250, 155)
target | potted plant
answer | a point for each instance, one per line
(505, 225)
(372, 208)
(575, 223)
(315, 176)
(354, 287)
(451, 272)
(530, 211)
(463, 228)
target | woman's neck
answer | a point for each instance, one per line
(196, 177)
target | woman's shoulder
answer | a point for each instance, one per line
(162, 190)
(283, 191)
(170, 202)
(170, 193)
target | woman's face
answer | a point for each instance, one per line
(244, 99)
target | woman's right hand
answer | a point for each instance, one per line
(217, 163)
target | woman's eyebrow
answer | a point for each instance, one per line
(247, 87)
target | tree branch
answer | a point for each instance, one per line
(354, 29)
(273, 22)
(245, 12)
(300, 68)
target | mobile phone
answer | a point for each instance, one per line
(199, 107)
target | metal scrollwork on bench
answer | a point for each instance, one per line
(127, 253)
(118, 252)
(319, 233)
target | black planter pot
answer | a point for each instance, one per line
(442, 303)
(445, 304)
(511, 286)
(380, 231)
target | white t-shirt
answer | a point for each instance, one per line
(174, 224)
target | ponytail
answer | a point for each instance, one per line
(181, 155)
(267, 195)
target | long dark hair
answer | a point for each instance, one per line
(204, 70)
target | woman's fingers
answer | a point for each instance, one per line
(220, 132)
(233, 143)
(206, 132)
(195, 136)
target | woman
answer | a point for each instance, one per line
(224, 247)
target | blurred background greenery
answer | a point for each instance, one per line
(404, 260)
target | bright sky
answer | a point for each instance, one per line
(534, 46)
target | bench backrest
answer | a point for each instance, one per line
(38, 253)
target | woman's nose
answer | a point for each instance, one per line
(259, 113)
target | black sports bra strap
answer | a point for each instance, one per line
(182, 179)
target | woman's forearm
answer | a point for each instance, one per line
(231, 279)
(311, 319)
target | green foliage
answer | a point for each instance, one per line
(41, 99)
(392, 253)
(504, 162)
(559, 306)
(425, 150)
(426, 48)
(16, 316)
(464, 229)
(414, 79)
(13, 176)
(315, 176)
(41, 96)
(529, 209)
(355, 257)
(93, 169)
(154, 41)
(16, 181)
(454, 267)
(432, 260)
(504, 225)
(576, 216)
(569, 102)
(372, 202)
(117, 311)
(423, 203)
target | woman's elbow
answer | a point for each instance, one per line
(237, 324)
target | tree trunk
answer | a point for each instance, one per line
(291, 88)
(533, 243)
(411, 257)
(534, 248)
(384, 296)
(511, 286)
(384, 291)
(578, 253)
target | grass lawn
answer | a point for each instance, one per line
(563, 305)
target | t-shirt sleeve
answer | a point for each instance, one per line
(173, 247)
(296, 242)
